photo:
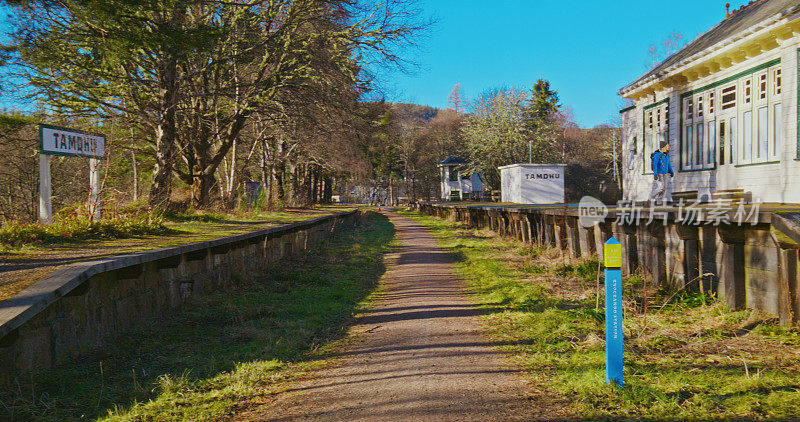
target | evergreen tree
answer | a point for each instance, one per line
(543, 102)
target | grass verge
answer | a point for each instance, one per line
(38, 249)
(67, 229)
(222, 352)
(687, 357)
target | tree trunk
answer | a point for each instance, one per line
(391, 190)
(135, 177)
(203, 189)
(327, 191)
(232, 188)
(314, 186)
(291, 184)
(265, 183)
(161, 187)
(279, 174)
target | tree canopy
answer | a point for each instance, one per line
(193, 79)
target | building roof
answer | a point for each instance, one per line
(453, 160)
(739, 20)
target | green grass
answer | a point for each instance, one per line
(223, 351)
(70, 229)
(690, 359)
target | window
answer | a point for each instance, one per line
(656, 130)
(777, 119)
(646, 151)
(763, 134)
(711, 123)
(711, 102)
(729, 97)
(747, 91)
(747, 136)
(689, 109)
(655, 139)
(711, 145)
(732, 142)
(722, 138)
(687, 148)
(700, 106)
(698, 157)
(453, 174)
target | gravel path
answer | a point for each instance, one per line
(420, 354)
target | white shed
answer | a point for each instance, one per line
(458, 185)
(532, 183)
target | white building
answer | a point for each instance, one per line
(728, 105)
(532, 183)
(457, 184)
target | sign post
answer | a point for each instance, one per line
(612, 258)
(54, 140)
(45, 206)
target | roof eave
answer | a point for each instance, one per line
(656, 75)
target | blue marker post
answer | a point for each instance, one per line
(612, 258)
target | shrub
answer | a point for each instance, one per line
(71, 226)
(587, 269)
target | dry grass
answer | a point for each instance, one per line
(24, 265)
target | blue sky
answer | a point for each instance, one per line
(586, 49)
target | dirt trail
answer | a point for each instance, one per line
(421, 354)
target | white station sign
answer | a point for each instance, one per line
(54, 140)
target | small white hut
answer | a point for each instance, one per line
(457, 184)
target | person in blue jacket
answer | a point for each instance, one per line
(661, 168)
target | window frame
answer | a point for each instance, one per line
(746, 147)
(767, 137)
(654, 133)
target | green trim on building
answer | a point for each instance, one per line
(627, 109)
(693, 170)
(755, 69)
(757, 164)
(648, 107)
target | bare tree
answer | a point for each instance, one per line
(455, 100)
(657, 53)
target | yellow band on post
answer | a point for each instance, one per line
(612, 255)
